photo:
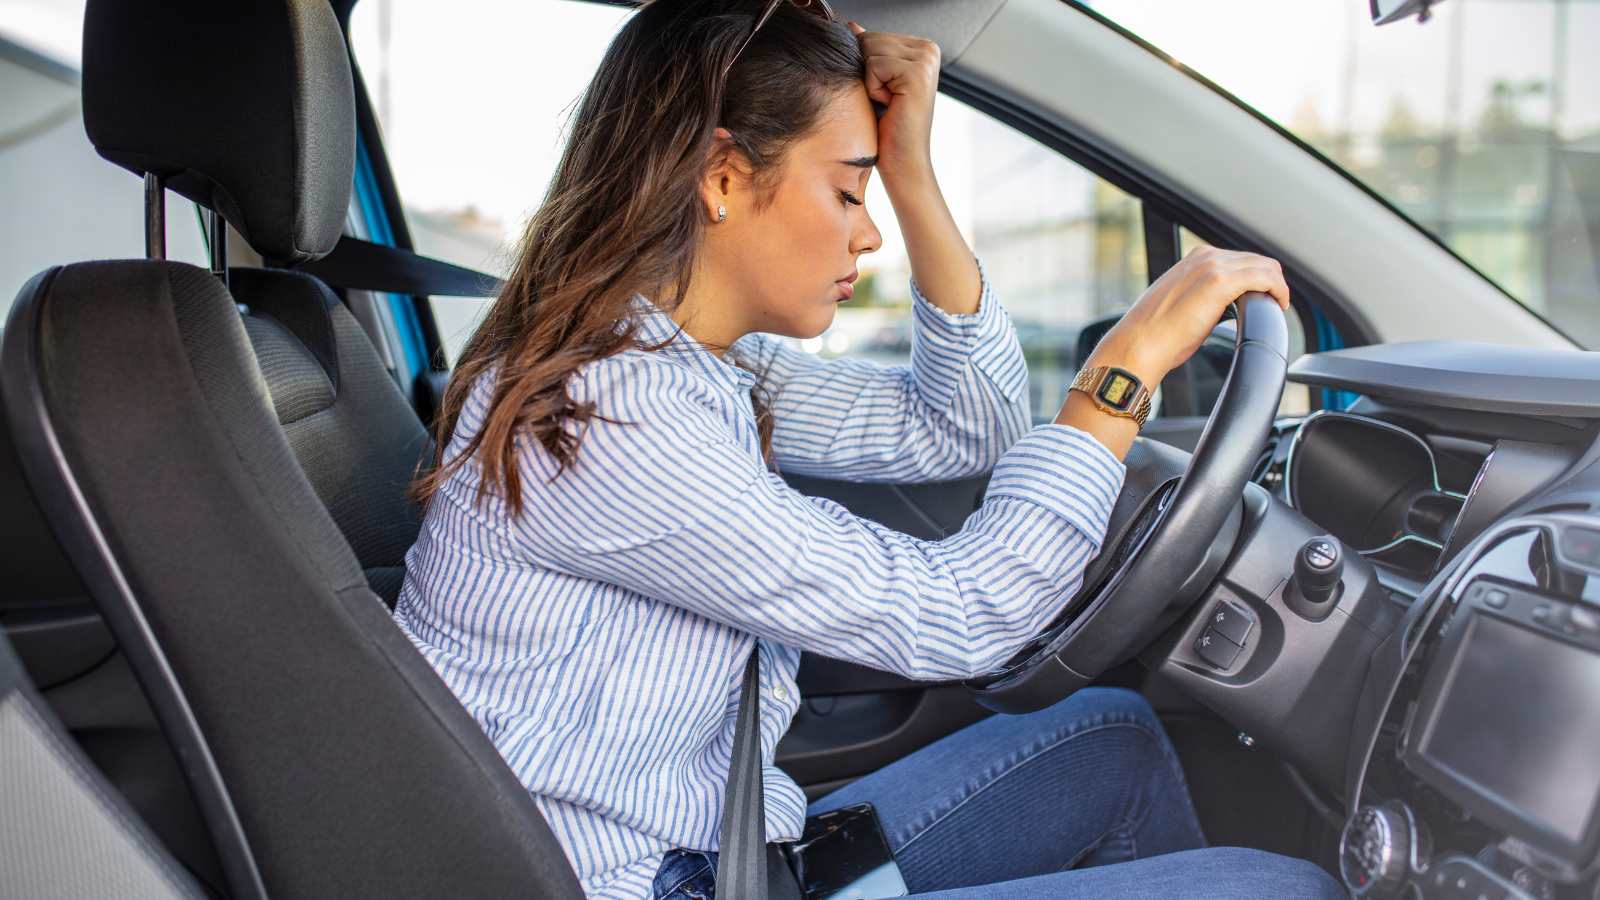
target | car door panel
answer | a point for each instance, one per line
(855, 720)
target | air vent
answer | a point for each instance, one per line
(1268, 470)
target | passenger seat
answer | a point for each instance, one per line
(64, 833)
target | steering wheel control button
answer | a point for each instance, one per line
(1494, 598)
(1217, 651)
(1232, 622)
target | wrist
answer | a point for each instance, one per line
(908, 179)
(1116, 433)
(1148, 372)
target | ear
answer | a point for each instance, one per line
(724, 180)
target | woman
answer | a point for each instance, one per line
(606, 541)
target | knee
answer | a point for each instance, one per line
(1261, 874)
(1106, 705)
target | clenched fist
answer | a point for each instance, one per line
(903, 76)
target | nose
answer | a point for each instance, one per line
(866, 237)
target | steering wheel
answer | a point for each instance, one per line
(1171, 530)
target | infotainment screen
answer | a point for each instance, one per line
(1516, 723)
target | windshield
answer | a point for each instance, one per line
(1482, 125)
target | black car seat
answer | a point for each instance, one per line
(76, 668)
(328, 758)
(355, 437)
(64, 833)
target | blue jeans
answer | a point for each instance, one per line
(1040, 806)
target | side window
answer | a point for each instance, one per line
(63, 203)
(473, 119)
(1063, 248)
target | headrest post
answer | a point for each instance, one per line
(217, 238)
(155, 217)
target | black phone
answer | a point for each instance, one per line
(842, 855)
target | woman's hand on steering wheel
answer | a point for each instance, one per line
(1176, 314)
(1166, 326)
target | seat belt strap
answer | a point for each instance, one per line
(363, 265)
(742, 861)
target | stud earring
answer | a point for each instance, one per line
(722, 213)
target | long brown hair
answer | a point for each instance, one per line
(623, 213)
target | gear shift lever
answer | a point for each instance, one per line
(1318, 567)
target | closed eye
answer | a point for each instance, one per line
(850, 198)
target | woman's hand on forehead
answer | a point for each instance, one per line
(902, 74)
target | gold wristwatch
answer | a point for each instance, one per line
(1116, 391)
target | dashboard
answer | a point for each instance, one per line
(1466, 478)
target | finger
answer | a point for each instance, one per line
(902, 46)
(891, 74)
(1264, 276)
(901, 75)
(1269, 273)
(896, 56)
(855, 28)
(878, 87)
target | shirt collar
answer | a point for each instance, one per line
(656, 326)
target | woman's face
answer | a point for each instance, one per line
(784, 267)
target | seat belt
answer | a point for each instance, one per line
(363, 265)
(748, 868)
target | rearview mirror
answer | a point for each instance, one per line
(1386, 11)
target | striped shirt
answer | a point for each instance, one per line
(600, 638)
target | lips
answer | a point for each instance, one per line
(847, 286)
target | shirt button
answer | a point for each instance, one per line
(778, 693)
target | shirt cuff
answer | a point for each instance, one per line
(946, 342)
(1065, 471)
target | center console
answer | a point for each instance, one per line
(1480, 722)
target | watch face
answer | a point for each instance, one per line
(1118, 389)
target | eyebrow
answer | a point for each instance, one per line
(861, 162)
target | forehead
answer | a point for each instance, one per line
(846, 128)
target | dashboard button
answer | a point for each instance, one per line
(1495, 598)
(1216, 650)
(1583, 619)
(1232, 622)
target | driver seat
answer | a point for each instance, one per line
(327, 757)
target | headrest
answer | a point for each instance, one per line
(246, 107)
